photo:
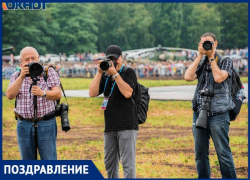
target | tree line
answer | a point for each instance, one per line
(84, 27)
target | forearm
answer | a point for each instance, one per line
(14, 89)
(219, 75)
(190, 72)
(124, 88)
(53, 94)
(94, 86)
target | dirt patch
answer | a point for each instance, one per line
(83, 135)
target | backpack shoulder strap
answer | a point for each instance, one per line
(124, 71)
(133, 98)
(221, 60)
(45, 74)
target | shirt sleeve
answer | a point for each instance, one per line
(199, 68)
(13, 77)
(227, 65)
(53, 78)
(130, 78)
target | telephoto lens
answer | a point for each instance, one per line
(105, 65)
(206, 96)
(207, 45)
(64, 117)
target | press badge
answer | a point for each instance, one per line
(104, 103)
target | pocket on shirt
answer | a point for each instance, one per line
(220, 103)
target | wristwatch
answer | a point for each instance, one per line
(210, 60)
(114, 76)
(44, 95)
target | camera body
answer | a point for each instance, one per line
(208, 45)
(106, 64)
(206, 95)
(62, 110)
(35, 69)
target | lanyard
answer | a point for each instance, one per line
(113, 84)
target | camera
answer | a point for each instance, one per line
(106, 64)
(208, 45)
(35, 69)
(206, 96)
(62, 110)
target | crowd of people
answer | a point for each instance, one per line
(161, 69)
(241, 52)
(143, 70)
(150, 69)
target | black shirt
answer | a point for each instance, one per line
(120, 111)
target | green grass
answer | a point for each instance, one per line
(81, 83)
(164, 148)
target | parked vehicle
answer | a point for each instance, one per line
(73, 58)
(53, 58)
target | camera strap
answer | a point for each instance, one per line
(45, 77)
(113, 84)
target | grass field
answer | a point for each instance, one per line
(165, 146)
(81, 83)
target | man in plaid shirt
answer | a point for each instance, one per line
(47, 93)
(218, 78)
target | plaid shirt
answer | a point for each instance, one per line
(226, 66)
(24, 99)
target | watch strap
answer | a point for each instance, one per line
(115, 76)
(210, 60)
(44, 94)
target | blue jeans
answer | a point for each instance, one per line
(218, 129)
(46, 134)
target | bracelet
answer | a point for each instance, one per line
(115, 76)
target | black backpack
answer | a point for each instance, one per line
(235, 88)
(141, 99)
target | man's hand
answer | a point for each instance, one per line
(36, 91)
(200, 49)
(24, 70)
(210, 54)
(98, 66)
(111, 71)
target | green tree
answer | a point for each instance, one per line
(203, 19)
(77, 28)
(167, 23)
(234, 21)
(25, 28)
(187, 9)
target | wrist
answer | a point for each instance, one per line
(115, 75)
(210, 57)
(43, 94)
(22, 77)
(200, 55)
(211, 60)
(99, 72)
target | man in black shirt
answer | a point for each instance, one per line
(121, 124)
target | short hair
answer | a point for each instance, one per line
(209, 34)
(28, 47)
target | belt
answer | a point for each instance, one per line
(45, 117)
